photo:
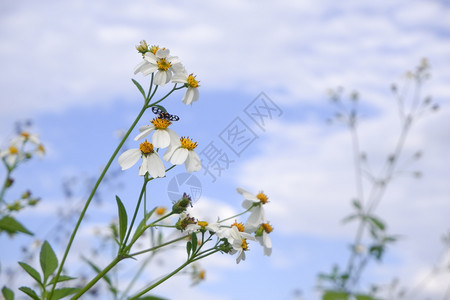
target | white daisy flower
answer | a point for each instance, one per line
(183, 152)
(163, 136)
(158, 59)
(262, 236)
(213, 227)
(151, 162)
(26, 137)
(255, 204)
(192, 93)
(11, 155)
(238, 240)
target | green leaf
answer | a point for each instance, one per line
(98, 270)
(139, 88)
(29, 292)
(356, 204)
(364, 297)
(48, 260)
(60, 279)
(188, 248)
(378, 223)
(194, 241)
(123, 220)
(332, 295)
(32, 272)
(11, 226)
(151, 298)
(349, 218)
(7, 293)
(61, 293)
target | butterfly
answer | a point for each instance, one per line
(164, 115)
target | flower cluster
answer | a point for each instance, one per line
(180, 150)
(234, 238)
(19, 149)
(166, 67)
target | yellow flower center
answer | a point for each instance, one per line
(201, 274)
(13, 150)
(25, 134)
(262, 197)
(267, 228)
(187, 143)
(191, 81)
(161, 123)
(244, 245)
(154, 48)
(146, 147)
(41, 148)
(160, 210)
(239, 226)
(202, 223)
(163, 65)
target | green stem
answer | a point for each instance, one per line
(162, 280)
(144, 187)
(173, 89)
(83, 212)
(240, 214)
(159, 246)
(5, 183)
(98, 277)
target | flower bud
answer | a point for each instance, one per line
(142, 47)
(183, 222)
(182, 204)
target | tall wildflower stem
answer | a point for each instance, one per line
(94, 190)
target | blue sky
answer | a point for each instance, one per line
(67, 66)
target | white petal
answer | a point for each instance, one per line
(190, 96)
(266, 240)
(247, 203)
(179, 156)
(151, 58)
(247, 195)
(137, 69)
(148, 69)
(255, 218)
(144, 167)
(180, 77)
(193, 162)
(162, 77)
(162, 53)
(155, 165)
(161, 138)
(11, 159)
(241, 256)
(169, 153)
(174, 137)
(129, 158)
(174, 61)
(145, 130)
